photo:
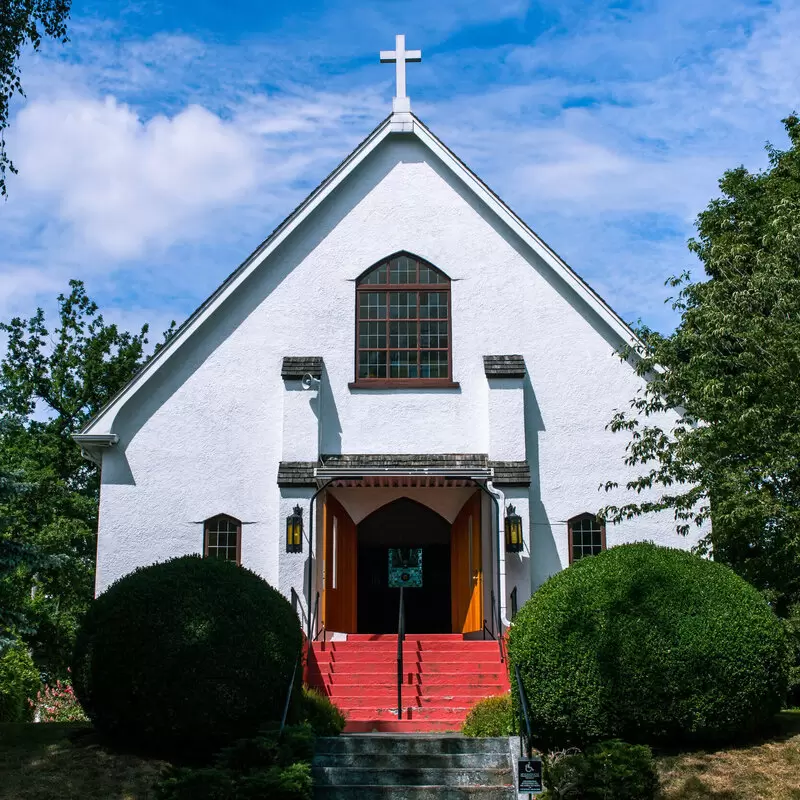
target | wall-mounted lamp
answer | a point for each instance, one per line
(513, 530)
(294, 531)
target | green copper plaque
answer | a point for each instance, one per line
(405, 567)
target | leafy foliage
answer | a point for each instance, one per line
(648, 644)
(610, 770)
(732, 368)
(186, 656)
(492, 716)
(321, 713)
(19, 681)
(793, 631)
(269, 765)
(52, 381)
(23, 23)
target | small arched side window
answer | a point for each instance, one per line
(587, 537)
(403, 324)
(223, 538)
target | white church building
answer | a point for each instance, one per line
(400, 361)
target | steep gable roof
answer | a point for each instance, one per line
(402, 123)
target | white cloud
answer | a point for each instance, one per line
(123, 183)
(607, 132)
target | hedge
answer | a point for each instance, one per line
(186, 656)
(648, 644)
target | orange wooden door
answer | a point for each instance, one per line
(339, 569)
(466, 568)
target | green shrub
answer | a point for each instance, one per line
(492, 716)
(318, 711)
(269, 749)
(611, 770)
(186, 656)
(648, 644)
(267, 766)
(619, 771)
(19, 683)
(564, 774)
(793, 632)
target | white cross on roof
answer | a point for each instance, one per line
(400, 56)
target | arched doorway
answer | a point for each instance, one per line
(404, 523)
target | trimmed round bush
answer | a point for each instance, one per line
(19, 683)
(492, 716)
(186, 656)
(648, 644)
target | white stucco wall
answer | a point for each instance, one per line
(206, 433)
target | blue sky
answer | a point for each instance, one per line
(166, 140)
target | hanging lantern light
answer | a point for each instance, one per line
(513, 530)
(294, 531)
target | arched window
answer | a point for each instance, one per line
(587, 537)
(403, 324)
(223, 538)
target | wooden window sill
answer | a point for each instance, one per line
(401, 383)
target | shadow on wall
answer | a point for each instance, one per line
(330, 426)
(205, 340)
(544, 553)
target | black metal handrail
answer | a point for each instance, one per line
(523, 704)
(496, 616)
(401, 635)
(318, 630)
(289, 693)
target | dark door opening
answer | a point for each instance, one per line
(404, 523)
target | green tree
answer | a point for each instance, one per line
(732, 368)
(23, 23)
(52, 381)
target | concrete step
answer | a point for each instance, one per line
(353, 776)
(410, 745)
(347, 792)
(392, 760)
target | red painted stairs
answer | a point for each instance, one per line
(444, 675)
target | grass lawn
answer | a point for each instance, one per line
(766, 770)
(62, 761)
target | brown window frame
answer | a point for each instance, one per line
(581, 518)
(416, 287)
(206, 531)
